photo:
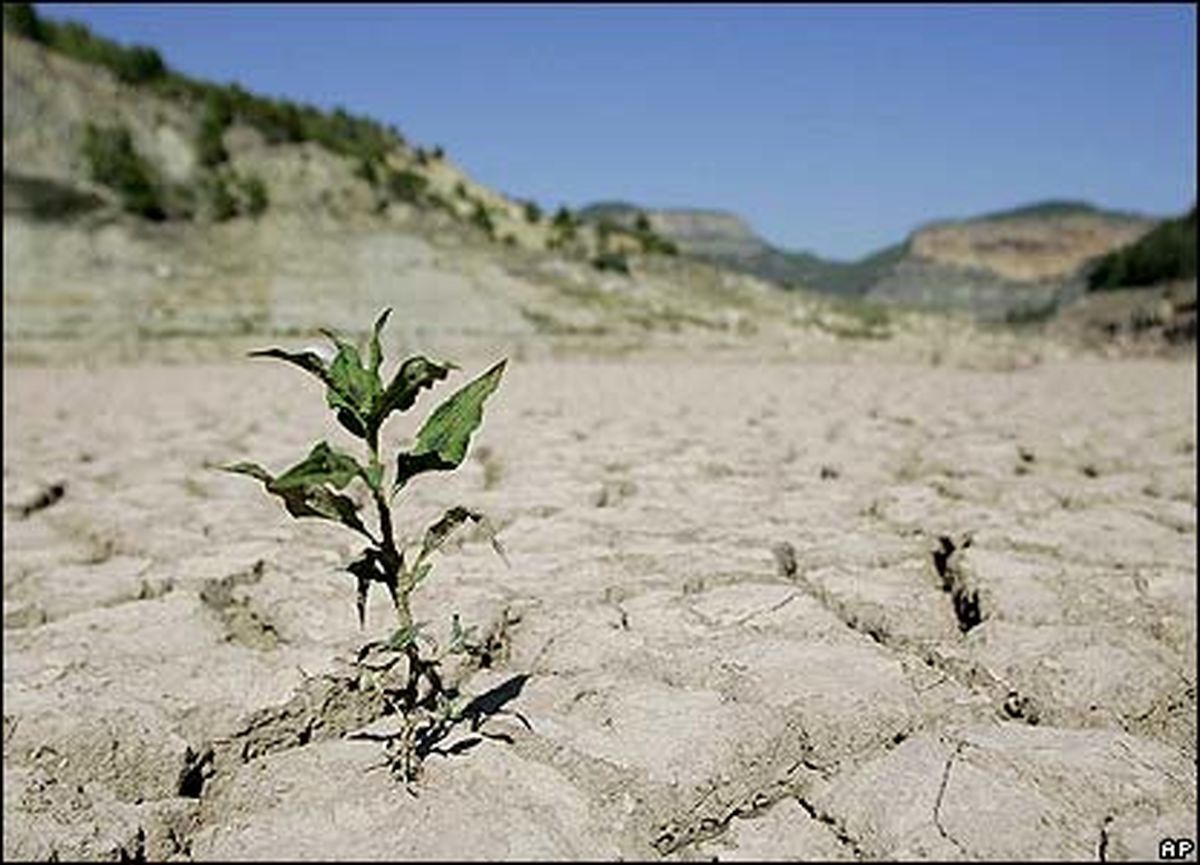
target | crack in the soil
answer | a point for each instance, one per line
(781, 770)
(675, 834)
(778, 605)
(937, 806)
(966, 673)
(1102, 847)
(837, 829)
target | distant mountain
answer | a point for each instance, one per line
(724, 238)
(998, 265)
(1007, 265)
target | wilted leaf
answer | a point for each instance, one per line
(437, 533)
(252, 469)
(306, 360)
(442, 441)
(367, 569)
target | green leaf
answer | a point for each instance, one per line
(322, 465)
(373, 475)
(420, 572)
(339, 392)
(405, 636)
(320, 502)
(461, 638)
(301, 487)
(375, 353)
(443, 439)
(353, 390)
(413, 375)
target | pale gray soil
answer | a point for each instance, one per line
(767, 610)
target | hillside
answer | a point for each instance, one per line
(1010, 265)
(144, 209)
(172, 210)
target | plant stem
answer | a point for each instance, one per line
(399, 581)
(392, 560)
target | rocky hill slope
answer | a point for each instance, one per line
(997, 266)
(1008, 265)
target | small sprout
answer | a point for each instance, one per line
(313, 487)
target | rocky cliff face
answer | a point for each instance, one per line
(1027, 249)
(1010, 266)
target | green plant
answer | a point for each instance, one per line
(254, 190)
(482, 219)
(22, 19)
(113, 162)
(1167, 252)
(613, 261)
(221, 203)
(367, 171)
(311, 488)
(210, 145)
(533, 213)
(407, 185)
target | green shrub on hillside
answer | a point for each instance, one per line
(613, 261)
(254, 191)
(136, 64)
(482, 219)
(657, 244)
(210, 138)
(367, 171)
(407, 185)
(564, 219)
(222, 205)
(113, 162)
(21, 19)
(533, 213)
(1167, 252)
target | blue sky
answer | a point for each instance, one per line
(833, 129)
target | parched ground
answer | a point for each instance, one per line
(766, 610)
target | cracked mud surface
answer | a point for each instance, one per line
(810, 610)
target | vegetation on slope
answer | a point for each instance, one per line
(278, 120)
(1167, 252)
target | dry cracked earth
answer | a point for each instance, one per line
(752, 610)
